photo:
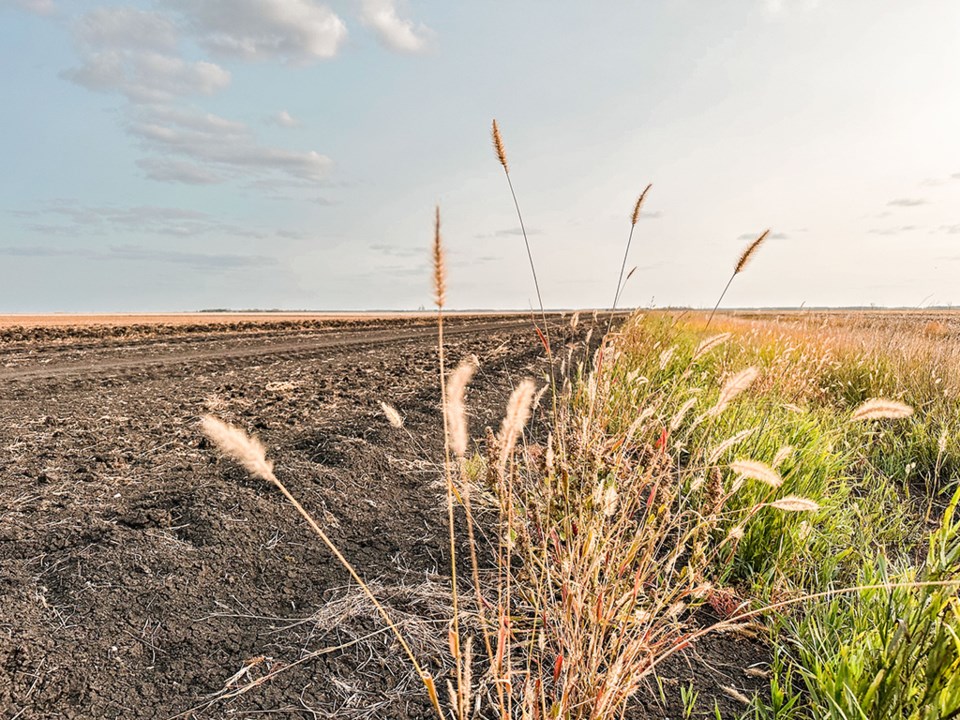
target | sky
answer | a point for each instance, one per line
(174, 155)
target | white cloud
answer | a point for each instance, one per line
(172, 170)
(907, 202)
(198, 261)
(222, 146)
(393, 31)
(135, 54)
(125, 28)
(37, 7)
(297, 31)
(284, 119)
(147, 76)
(79, 219)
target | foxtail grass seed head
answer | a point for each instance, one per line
(636, 208)
(393, 417)
(235, 444)
(455, 408)
(666, 356)
(792, 503)
(678, 417)
(733, 387)
(575, 320)
(739, 437)
(748, 253)
(882, 409)
(782, 454)
(439, 269)
(755, 470)
(732, 692)
(518, 412)
(709, 344)
(498, 146)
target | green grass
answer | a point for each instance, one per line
(881, 485)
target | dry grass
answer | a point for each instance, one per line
(634, 515)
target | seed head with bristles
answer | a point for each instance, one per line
(392, 415)
(882, 409)
(237, 445)
(748, 253)
(456, 414)
(792, 503)
(733, 387)
(709, 344)
(498, 146)
(439, 269)
(518, 412)
(757, 471)
(636, 208)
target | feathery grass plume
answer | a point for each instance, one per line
(393, 417)
(709, 344)
(502, 157)
(748, 253)
(439, 269)
(755, 470)
(792, 503)
(250, 453)
(575, 320)
(677, 418)
(518, 412)
(735, 533)
(738, 268)
(237, 445)
(456, 413)
(666, 356)
(732, 692)
(636, 208)
(733, 387)
(498, 146)
(782, 454)
(633, 224)
(739, 437)
(881, 409)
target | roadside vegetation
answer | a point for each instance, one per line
(686, 475)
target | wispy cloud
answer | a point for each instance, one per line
(284, 119)
(894, 230)
(756, 234)
(398, 251)
(126, 28)
(508, 232)
(294, 31)
(136, 253)
(37, 7)
(394, 32)
(178, 171)
(135, 53)
(223, 146)
(907, 202)
(149, 219)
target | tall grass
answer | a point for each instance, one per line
(762, 473)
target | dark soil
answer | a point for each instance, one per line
(139, 573)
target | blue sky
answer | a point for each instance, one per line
(186, 154)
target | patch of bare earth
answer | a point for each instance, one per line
(141, 577)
